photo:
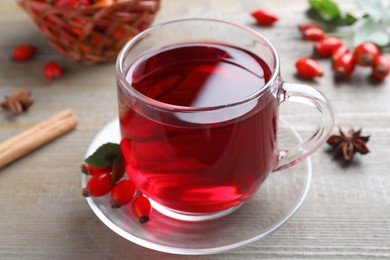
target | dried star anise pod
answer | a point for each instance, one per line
(19, 102)
(348, 144)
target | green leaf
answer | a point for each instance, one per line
(375, 9)
(330, 12)
(105, 155)
(349, 19)
(327, 8)
(345, 19)
(371, 31)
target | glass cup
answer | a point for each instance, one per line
(198, 109)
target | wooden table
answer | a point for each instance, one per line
(43, 216)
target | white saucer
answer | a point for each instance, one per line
(273, 205)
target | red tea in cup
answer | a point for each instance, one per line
(198, 108)
(195, 166)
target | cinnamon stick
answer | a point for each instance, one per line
(36, 136)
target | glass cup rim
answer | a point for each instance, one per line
(121, 77)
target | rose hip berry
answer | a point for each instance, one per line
(308, 68)
(98, 185)
(264, 16)
(306, 26)
(24, 52)
(122, 193)
(340, 51)
(327, 46)
(344, 66)
(366, 53)
(52, 71)
(91, 170)
(314, 34)
(118, 33)
(103, 2)
(381, 68)
(141, 208)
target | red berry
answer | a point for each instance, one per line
(118, 32)
(340, 51)
(381, 67)
(122, 193)
(98, 185)
(327, 46)
(141, 208)
(306, 26)
(52, 71)
(308, 68)
(264, 16)
(103, 2)
(24, 52)
(344, 65)
(92, 170)
(314, 34)
(366, 53)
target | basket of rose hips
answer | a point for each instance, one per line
(90, 31)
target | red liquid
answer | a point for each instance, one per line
(205, 162)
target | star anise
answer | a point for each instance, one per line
(18, 102)
(349, 144)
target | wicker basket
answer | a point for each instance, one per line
(92, 34)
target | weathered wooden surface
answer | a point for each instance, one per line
(43, 216)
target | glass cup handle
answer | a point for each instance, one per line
(310, 96)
